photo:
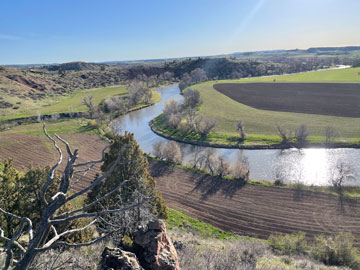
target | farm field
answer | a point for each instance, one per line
(227, 111)
(334, 99)
(255, 211)
(27, 145)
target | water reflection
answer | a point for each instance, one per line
(311, 166)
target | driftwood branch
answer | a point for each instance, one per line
(21, 219)
(66, 244)
(85, 171)
(16, 243)
(52, 171)
(68, 149)
(58, 236)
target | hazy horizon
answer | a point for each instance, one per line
(186, 56)
(43, 32)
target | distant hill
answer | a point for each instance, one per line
(348, 52)
(75, 66)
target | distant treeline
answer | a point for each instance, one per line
(233, 68)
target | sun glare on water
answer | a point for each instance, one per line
(315, 166)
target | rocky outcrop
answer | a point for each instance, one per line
(153, 247)
(117, 259)
(156, 250)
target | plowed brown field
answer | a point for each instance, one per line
(38, 151)
(255, 211)
(336, 99)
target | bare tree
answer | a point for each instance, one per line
(204, 125)
(240, 170)
(185, 81)
(198, 75)
(138, 91)
(241, 129)
(171, 107)
(46, 236)
(341, 173)
(191, 98)
(168, 76)
(174, 120)
(113, 104)
(190, 114)
(330, 134)
(209, 158)
(223, 167)
(198, 159)
(88, 101)
(158, 148)
(302, 134)
(172, 152)
(284, 134)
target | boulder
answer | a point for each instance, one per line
(156, 251)
(117, 259)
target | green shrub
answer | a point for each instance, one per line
(93, 124)
(288, 244)
(336, 250)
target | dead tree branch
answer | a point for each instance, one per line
(39, 240)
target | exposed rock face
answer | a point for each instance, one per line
(117, 259)
(157, 251)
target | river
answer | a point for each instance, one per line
(309, 166)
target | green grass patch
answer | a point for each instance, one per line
(73, 102)
(233, 139)
(178, 220)
(60, 127)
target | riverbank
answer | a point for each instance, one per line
(252, 142)
(6, 124)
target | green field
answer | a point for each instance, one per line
(260, 122)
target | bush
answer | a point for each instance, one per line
(336, 250)
(288, 244)
(279, 183)
(93, 124)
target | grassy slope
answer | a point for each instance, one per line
(178, 220)
(72, 102)
(60, 127)
(226, 111)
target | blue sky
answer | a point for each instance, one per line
(54, 31)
